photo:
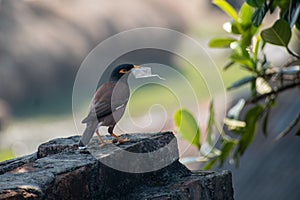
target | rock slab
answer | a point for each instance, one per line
(59, 170)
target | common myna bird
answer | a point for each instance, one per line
(108, 105)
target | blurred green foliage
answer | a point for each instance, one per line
(247, 40)
(6, 154)
(188, 126)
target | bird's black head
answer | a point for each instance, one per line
(120, 71)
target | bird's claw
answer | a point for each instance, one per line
(120, 141)
(105, 142)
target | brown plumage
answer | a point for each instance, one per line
(108, 105)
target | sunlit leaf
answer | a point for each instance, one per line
(227, 8)
(262, 86)
(187, 127)
(241, 82)
(235, 111)
(278, 34)
(257, 44)
(221, 42)
(245, 14)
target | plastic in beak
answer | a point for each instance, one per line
(144, 72)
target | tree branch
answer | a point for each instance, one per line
(281, 89)
(289, 128)
(292, 53)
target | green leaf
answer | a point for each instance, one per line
(210, 164)
(245, 14)
(210, 122)
(255, 3)
(240, 55)
(241, 82)
(235, 111)
(187, 127)
(221, 42)
(259, 14)
(227, 8)
(278, 34)
(232, 27)
(251, 119)
(282, 4)
(227, 147)
(256, 47)
(246, 38)
(253, 88)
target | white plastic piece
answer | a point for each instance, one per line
(144, 72)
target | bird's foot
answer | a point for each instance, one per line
(121, 140)
(105, 142)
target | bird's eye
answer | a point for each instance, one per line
(123, 71)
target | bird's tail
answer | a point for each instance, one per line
(88, 133)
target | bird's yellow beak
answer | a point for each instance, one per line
(124, 71)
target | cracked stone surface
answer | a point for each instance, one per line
(59, 170)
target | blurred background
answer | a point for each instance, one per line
(43, 43)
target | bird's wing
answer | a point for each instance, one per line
(102, 109)
(107, 100)
(98, 110)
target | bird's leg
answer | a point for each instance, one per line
(120, 140)
(101, 139)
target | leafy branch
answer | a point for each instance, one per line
(247, 39)
(273, 92)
